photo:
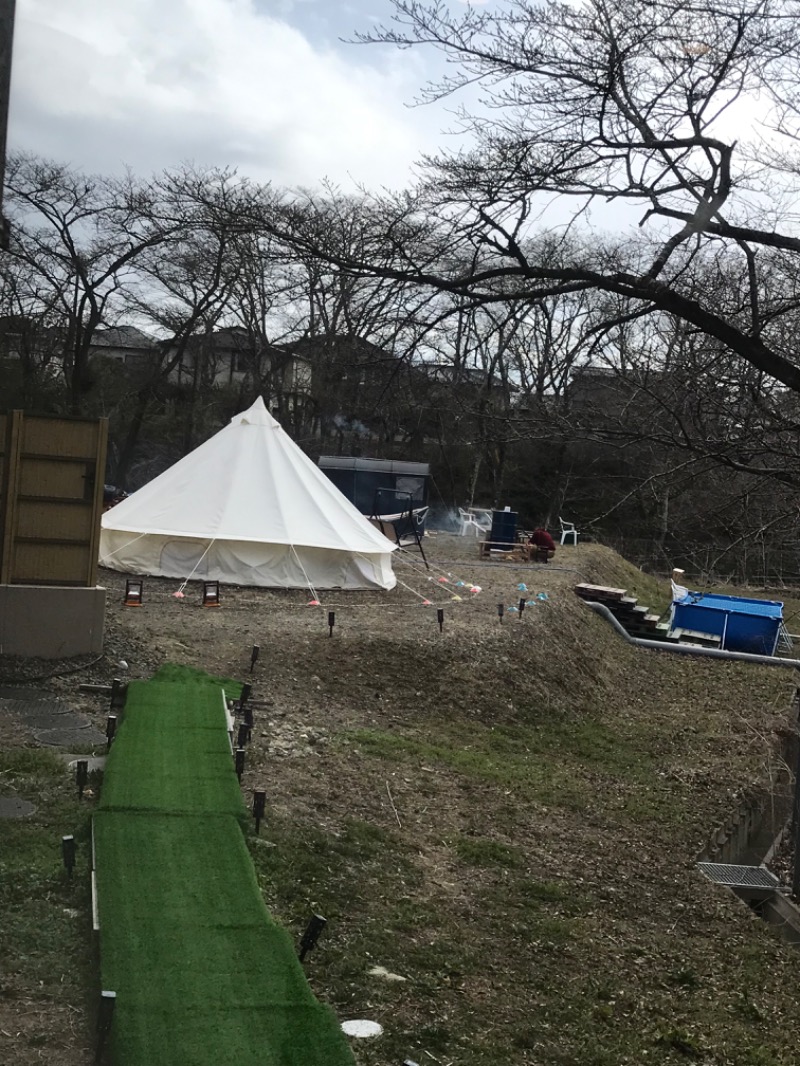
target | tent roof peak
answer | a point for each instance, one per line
(255, 415)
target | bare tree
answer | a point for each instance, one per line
(79, 239)
(184, 287)
(360, 331)
(627, 104)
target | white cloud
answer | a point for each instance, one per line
(149, 83)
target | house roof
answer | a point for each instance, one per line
(122, 337)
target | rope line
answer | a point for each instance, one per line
(189, 578)
(313, 591)
(122, 548)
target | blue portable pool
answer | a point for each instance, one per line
(741, 624)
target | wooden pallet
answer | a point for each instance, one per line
(601, 593)
(504, 552)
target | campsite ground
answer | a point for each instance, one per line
(502, 817)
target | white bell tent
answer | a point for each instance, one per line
(248, 507)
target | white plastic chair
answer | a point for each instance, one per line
(469, 522)
(569, 534)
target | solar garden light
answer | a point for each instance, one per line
(312, 934)
(117, 699)
(105, 1016)
(521, 606)
(243, 735)
(501, 610)
(134, 591)
(81, 775)
(244, 696)
(111, 730)
(211, 593)
(440, 618)
(68, 853)
(253, 658)
(259, 805)
(331, 622)
(248, 719)
(239, 757)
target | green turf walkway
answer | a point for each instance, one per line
(203, 976)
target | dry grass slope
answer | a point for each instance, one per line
(506, 815)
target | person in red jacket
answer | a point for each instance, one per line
(542, 540)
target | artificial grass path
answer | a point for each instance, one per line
(202, 973)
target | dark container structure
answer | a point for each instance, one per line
(380, 486)
(504, 529)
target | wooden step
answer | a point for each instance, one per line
(598, 592)
(692, 636)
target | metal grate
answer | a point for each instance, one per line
(738, 876)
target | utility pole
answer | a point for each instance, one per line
(6, 48)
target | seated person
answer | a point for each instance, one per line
(542, 540)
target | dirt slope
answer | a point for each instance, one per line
(506, 815)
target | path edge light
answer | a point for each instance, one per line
(312, 934)
(68, 853)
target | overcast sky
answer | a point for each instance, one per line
(266, 86)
